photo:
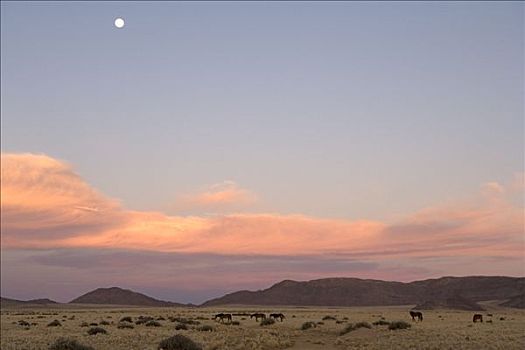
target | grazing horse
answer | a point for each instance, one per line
(258, 316)
(222, 316)
(277, 316)
(477, 317)
(417, 314)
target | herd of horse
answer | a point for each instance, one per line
(416, 316)
(258, 316)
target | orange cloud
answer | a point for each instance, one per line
(226, 195)
(46, 205)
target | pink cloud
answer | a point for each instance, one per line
(220, 197)
(46, 205)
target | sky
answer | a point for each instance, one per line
(207, 147)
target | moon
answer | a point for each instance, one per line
(119, 22)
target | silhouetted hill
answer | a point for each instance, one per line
(517, 301)
(119, 296)
(361, 292)
(4, 302)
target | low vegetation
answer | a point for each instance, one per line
(381, 323)
(68, 344)
(55, 323)
(126, 319)
(267, 321)
(399, 325)
(96, 330)
(352, 327)
(329, 318)
(308, 325)
(153, 323)
(205, 328)
(125, 325)
(181, 326)
(178, 342)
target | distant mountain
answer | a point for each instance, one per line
(366, 292)
(453, 302)
(517, 302)
(119, 296)
(4, 302)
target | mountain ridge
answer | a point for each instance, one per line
(460, 292)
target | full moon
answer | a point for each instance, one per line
(119, 22)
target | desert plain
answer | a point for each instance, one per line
(440, 329)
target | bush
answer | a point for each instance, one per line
(68, 344)
(181, 326)
(267, 321)
(178, 342)
(125, 325)
(23, 323)
(160, 318)
(84, 324)
(96, 330)
(352, 327)
(143, 320)
(399, 325)
(55, 323)
(153, 324)
(327, 317)
(126, 319)
(104, 323)
(308, 325)
(381, 323)
(320, 323)
(94, 324)
(205, 328)
(235, 323)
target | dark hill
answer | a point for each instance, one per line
(517, 302)
(453, 302)
(360, 292)
(119, 296)
(6, 302)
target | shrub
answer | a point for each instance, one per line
(399, 325)
(55, 323)
(126, 319)
(308, 325)
(68, 344)
(327, 317)
(181, 326)
(235, 323)
(178, 342)
(381, 323)
(94, 324)
(339, 321)
(125, 325)
(84, 324)
(352, 327)
(205, 328)
(104, 322)
(320, 322)
(143, 320)
(267, 321)
(23, 323)
(160, 318)
(96, 330)
(153, 324)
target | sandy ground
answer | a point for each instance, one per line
(441, 329)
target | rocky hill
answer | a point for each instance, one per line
(119, 296)
(462, 292)
(7, 302)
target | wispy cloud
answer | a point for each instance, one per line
(220, 197)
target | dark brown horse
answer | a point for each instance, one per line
(222, 317)
(258, 316)
(477, 317)
(417, 314)
(277, 316)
